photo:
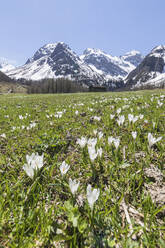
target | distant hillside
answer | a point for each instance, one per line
(4, 78)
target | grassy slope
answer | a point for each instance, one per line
(7, 85)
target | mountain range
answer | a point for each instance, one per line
(93, 67)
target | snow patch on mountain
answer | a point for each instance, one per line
(157, 81)
(32, 71)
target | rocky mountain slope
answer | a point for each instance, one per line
(150, 73)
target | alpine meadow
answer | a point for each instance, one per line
(82, 170)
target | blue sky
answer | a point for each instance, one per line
(115, 26)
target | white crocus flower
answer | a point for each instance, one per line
(118, 111)
(116, 142)
(121, 120)
(152, 140)
(91, 149)
(38, 161)
(82, 142)
(73, 185)
(34, 162)
(100, 152)
(58, 114)
(112, 116)
(92, 153)
(110, 140)
(92, 195)
(97, 118)
(3, 135)
(29, 170)
(13, 128)
(130, 117)
(135, 119)
(141, 116)
(95, 132)
(92, 142)
(33, 124)
(160, 103)
(20, 117)
(64, 167)
(76, 112)
(100, 135)
(134, 135)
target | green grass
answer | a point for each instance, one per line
(41, 212)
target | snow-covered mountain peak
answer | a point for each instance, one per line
(97, 52)
(63, 49)
(92, 51)
(158, 51)
(132, 53)
(134, 57)
(112, 66)
(46, 50)
(5, 65)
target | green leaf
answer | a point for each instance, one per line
(82, 225)
(72, 213)
(61, 237)
(112, 243)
